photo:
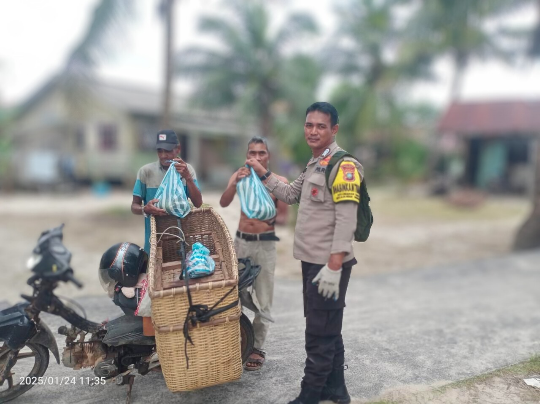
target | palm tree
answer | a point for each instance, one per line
(109, 17)
(246, 71)
(369, 53)
(458, 29)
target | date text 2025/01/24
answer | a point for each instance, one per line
(62, 380)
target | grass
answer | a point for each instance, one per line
(522, 370)
(519, 371)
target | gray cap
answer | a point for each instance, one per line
(167, 140)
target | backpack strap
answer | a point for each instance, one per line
(339, 155)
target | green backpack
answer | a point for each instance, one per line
(364, 217)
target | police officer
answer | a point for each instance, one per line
(323, 243)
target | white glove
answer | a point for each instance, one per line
(328, 280)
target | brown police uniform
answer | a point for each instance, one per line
(325, 225)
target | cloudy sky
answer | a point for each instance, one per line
(38, 35)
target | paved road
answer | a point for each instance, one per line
(414, 328)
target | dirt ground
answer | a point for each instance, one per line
(410, 231)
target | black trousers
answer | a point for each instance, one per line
(324, 320)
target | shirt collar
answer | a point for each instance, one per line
(331, 148)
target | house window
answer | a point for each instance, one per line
(108, 137)
(80, 141)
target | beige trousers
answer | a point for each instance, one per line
(262, 253)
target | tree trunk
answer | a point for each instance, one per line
(168, 11)
(528, 235)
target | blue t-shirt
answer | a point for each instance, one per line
(148, 180)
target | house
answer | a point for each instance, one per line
(496, 141)
(97, 131)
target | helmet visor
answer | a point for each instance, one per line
(107, 283)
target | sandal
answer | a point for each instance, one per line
(255, 363)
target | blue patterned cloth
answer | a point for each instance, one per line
(255, 201)
(199, 262)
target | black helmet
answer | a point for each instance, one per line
(122, 263)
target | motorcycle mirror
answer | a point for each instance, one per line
(33, 260)
(55, 257)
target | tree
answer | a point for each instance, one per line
(528, 235)
(108, 19)
(459, 29)
(247, 70)
(96, 44)
(369, 53)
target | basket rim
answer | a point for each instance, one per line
(197, 286)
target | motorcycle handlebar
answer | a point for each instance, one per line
(71, 278)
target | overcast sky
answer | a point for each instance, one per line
(38, 35)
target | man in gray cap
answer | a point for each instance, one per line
(150, 176)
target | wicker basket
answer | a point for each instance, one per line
(215, 356)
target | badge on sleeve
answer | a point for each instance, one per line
(346, 186)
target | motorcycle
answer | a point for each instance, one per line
(117, 350)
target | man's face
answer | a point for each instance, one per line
(259, 152)
(318, 130)
(165, 155)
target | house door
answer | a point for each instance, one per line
(492, 165)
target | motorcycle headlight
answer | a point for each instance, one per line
(33, 260)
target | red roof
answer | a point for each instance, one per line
(492, 118)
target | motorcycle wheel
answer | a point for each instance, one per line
(247, 336)
(32, 362)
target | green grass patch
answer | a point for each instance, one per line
(522, 370)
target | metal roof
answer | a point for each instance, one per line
(487, 118)
(138, 100)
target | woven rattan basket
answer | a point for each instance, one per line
(215, 356)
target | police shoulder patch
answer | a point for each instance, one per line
(346, 185)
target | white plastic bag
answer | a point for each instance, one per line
(171, 194)
(144, 308)
(255, 200)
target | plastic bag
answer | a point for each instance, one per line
(171, 194)
(144, 308)
(255, 200)
(199, 262)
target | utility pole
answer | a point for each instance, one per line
(168, 16)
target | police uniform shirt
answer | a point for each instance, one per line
(326, 219)
(148, 180)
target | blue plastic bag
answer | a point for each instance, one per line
(199, 262)
(171, 194)
(255, 200)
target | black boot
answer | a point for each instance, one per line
(335, 389)
(307, 396)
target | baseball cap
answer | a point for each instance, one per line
(166, 139)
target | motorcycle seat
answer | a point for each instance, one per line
(126, 330)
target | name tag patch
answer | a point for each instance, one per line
(346, 186)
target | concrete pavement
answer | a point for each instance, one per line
(419, 327)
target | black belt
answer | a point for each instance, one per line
(257, 237)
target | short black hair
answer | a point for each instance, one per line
(325, 108)
(259, 140)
